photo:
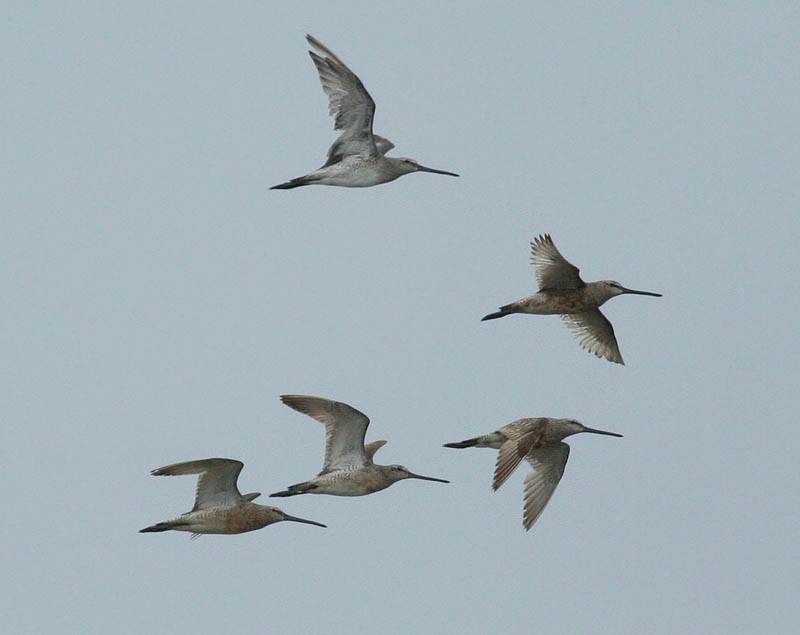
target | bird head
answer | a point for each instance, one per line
(613, 288)
(407, 166)
(399, 472)
(568, 427)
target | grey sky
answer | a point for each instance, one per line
(159, 298)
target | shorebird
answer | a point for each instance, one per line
(348, 469)
(219, 508)
(561, 291)
(538, 441)
(358, 157)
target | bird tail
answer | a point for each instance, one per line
(298, 182)
(469, 443)
(502, 312)
(294, 490)
(165, 526)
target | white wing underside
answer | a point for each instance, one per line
(350, 105)
(345, 428)
(553, 271)
(594, 333)
(548, 464)
(216, 485)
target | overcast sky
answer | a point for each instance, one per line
(159, 298)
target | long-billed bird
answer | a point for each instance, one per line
(358, 157)
(562, 292)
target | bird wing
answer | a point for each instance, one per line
(548, 467)
(371, 448)
(517, 428)
(216, 486)
(553, 271)
(522, 436)
(382, 144)
(345, 428)
(595, 334)
(348, 102)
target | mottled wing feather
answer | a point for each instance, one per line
(552, 269)
(595, 334)
(345, 429)
(348, 102)
(548, 467)
(508, 458)
(216, 485)
(522, 436)
(517, 428)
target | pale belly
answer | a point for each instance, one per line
(354, 174)
(357, 483)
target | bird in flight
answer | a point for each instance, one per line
(348, 469)
(219, 507)
(358, 157)
(540, 442)
(562, 292)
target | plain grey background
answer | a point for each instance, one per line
(158, 298)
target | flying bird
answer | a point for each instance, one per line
(538, 441)
(348, 469)
(358, 157)
(219, 507)
(561, 291)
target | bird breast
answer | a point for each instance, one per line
(239, 520)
